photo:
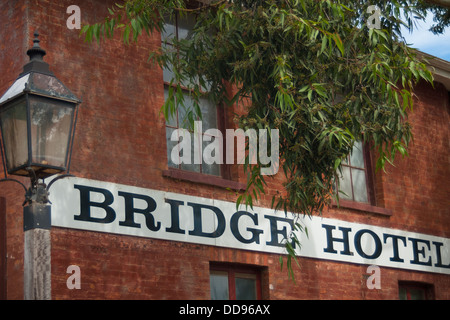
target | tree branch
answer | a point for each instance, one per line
(442, 3)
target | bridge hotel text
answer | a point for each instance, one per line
(107, 207)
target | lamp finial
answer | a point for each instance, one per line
(36, 52)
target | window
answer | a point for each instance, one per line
(234, 283)
(180, 29)
(415, 291)
(354, 182)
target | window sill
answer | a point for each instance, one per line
(362, 207)
(203, 178)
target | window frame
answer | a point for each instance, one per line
(371, 206)
(231, 271)
(224, 178)
(367, 174)
(218, 110)
(426, 288)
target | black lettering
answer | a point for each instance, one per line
(439, 264)
(359, 249)
(417, 251)
(175, 216)
(396, 256)
(198, 231)
(130, 210)
(86, 204)
(330, 239)
(274, 231)
(234, 226)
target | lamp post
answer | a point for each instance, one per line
(37, 124)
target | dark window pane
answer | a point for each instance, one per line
(245, 287)
(352, 179)
(185, 107)
(415, 291)
(219, 285)
(402, 294)
(345, 184)
(185, 26)
(192, 166)
(416, 294)
(359, 185)
(209, 114)
(169, 30)
(357, 156)
(172, 121)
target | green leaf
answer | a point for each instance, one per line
(126, 34)
(324, 44)
(337, 163)
(338, 41)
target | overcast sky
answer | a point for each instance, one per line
(424, 40)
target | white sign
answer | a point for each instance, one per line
(107, 207)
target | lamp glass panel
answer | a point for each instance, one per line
(14, 132)
(51, 125)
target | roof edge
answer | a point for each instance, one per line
(440, 68)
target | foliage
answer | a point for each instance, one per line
(440, 10)
(311, 69)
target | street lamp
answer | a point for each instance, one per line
(36, 119)
(37, 124)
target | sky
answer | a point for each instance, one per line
(425, 41)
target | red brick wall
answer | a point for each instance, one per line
(417, 188)
(120, 138)
(3, 251)
(13, 44)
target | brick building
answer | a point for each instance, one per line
(141, 227)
